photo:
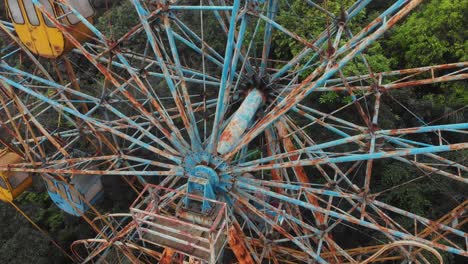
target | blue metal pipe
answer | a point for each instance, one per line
(240, 121)
(220, 107)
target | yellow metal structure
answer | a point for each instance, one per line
(39, 34)
(12, 184)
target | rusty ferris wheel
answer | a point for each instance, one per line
(228, 150)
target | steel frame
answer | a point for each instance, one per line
(219, 115)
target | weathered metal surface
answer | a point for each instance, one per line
(234, 125)
(203, 238)
(240, 121)
(237, 243)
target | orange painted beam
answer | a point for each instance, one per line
(167, 255)
(237, 243)
(302, 177)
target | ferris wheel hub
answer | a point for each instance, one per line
(206, 172)
(204, 163)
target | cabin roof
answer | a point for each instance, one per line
(7, 158)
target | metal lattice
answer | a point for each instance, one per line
(192, 102)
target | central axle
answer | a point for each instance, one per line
(240, 121)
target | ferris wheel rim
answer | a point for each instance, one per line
(181, 147)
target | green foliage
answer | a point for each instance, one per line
(19, 241)
(412, 197)
(55, 221)
(253, 154)
(40, 199)
(453, 94)
(376, 58)
(434, 34)
(118, 20)
(36, 250)
(309, 23)
(306, 21)
(47, 214)
(329, 97)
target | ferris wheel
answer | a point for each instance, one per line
(229, 150)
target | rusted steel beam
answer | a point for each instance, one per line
(307, 86)
(225, 81)
(91, 120)
(446, 219)
(351, 139)
(395, 140)
(397, 73)
(360, 222)
(272, 149)
(299, 148)
(167, 256)
(279, 229)
(299, 171)
(17, 134)
(109, 76)
(349, 158)
(236, 241)
(399, 85)
(189, 121)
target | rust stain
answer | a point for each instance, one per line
(237, 243)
